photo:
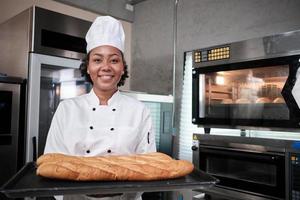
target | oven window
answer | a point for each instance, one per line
(246, 94)
(5, 111)
(242, 170)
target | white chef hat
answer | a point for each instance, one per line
(105, 30)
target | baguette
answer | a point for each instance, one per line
(140, 167)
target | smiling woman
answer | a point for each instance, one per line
(105, 69)
(115, 58)
(103, 122)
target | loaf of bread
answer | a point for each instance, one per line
(263, 100)
(140, 167)
(227, 101)
(242, 101)
(279, 100)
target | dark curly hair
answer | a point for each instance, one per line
(84, 66)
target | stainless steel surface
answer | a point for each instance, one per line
(30, 43)
(248, 84)
(201, 95)
(15, 43)
(248, 148)
(261, 145)
(67, 25)
(23, 34)
(280, 45)
(220, 193)
(10, 139)
(242, 144)
(272, 147)
(174, 58)
(36, 62)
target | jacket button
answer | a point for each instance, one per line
(113, 109)
(112, 129)
(91, 127)
(94, 109)
(88, 151)
(108, 151)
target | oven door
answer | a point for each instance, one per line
(260, 174)
(248, 94)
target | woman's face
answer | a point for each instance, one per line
(105, 68)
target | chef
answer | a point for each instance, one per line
(104, 121)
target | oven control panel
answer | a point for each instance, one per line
(295, 176)
(212, 54)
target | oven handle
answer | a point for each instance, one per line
(290, 99)
(269, 151)
(241, 153)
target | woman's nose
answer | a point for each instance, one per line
(105, 65)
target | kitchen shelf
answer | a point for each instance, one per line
(27, 184)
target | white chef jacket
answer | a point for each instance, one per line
(83, 127)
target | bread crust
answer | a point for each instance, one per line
(263, 100)
(242, 101)
(279, 100)
(140, 167)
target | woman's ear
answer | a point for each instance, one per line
(88, 71)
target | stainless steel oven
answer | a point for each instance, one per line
(249, 84)
(249, 168)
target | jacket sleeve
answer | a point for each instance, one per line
(147, 139)
(55, 139)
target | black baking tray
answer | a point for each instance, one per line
(27, 184)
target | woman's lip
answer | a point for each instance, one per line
(106, 77)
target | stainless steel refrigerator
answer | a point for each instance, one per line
(45, 48)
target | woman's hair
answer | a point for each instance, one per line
(84, 66)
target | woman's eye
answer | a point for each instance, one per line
(97, 60)
(114, 61)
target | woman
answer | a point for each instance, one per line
(104, 121)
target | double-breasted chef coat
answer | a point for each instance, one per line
(83, 127)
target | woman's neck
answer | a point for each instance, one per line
(104, 96)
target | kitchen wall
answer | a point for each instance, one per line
(116, 8)
(152, 47)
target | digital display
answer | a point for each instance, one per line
(219, 53)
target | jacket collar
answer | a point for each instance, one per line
(93, 99)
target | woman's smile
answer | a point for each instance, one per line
(106, 77)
